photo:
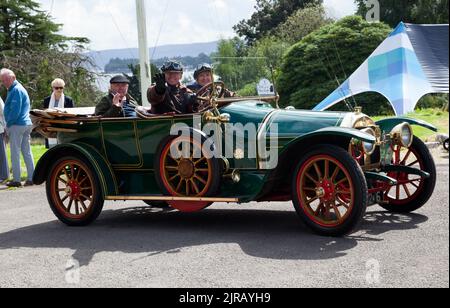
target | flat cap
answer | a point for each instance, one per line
(119, 79)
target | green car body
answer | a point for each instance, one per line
(124, 151)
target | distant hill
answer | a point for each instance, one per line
(101, 58)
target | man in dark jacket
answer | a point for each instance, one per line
(117, 104)
(168, 95)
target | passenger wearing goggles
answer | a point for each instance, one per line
(204, 76)
(169, 95)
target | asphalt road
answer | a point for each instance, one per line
(255, 245)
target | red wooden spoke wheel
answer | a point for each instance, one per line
(185, 170)
(411, 191)
(330, 191)
(409, 186)
(333, 200)
(74, 192)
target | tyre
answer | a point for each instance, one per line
(186, 168)
(74, 192)
(412, 192)
(446, 144)
(330, 191)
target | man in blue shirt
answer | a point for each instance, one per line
(18, 126)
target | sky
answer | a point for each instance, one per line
(111, 24)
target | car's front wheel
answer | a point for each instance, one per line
(330, 191)
(412, 191)
(74, 191)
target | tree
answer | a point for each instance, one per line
(240, 66)
(268, 16)
(135, 85)
(120, 65)
(311, 67)
(24, 26)
(37, 69)
(31, 46)
(411, 11)
(227, 61)
(301, 23)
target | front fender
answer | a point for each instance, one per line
(339, 136)
(101, 167)
(387, 125)
(340, 132)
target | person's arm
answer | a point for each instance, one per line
(69, 102)
(2, 118)
(157, 93)
(154, 98)
(13, 108)
(229, 94)
(107, 110)
(46, 103)
(190, 99)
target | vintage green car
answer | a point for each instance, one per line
(332, 165)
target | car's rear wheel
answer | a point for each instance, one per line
(412, 191)
(330, 191)
(74, 192)
(187, 168)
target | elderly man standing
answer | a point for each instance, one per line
(19, 127)
(4, 168)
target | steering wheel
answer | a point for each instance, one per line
(206, 93)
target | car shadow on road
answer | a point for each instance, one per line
(260, 233)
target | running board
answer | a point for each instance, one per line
(163, 198)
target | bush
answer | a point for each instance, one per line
(433, 101)
(248, 90)
(311, 67)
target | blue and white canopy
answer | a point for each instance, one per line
(410, 63)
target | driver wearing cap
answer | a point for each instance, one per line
(169, 95)
(118, 103)
(204, 76)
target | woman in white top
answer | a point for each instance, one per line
(4, 168)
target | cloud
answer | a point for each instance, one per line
(340, 8)
(111, 24)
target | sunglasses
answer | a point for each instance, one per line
(58, 88)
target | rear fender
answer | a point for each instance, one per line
(101, 167)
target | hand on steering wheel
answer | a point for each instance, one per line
(206, 94)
